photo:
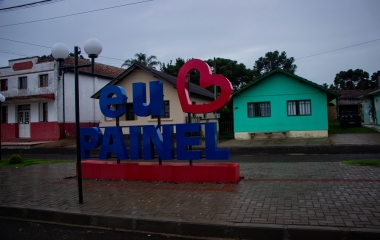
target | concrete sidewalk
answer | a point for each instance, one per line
(273, 201)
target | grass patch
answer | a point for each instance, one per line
(334, 128)
(29, 161)
(375, 163)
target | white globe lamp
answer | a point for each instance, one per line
(60, 51)
(93, 47)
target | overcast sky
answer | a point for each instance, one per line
(241, 30)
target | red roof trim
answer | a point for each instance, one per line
(47, 96)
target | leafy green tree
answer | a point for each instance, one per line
(330, 87)
(375, 78)
(171, 68)
(142, 58)
(353, 79)
(43, 57)
(273, 60)
(333, 87)
(238, 74)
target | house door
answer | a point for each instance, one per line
(24, 124)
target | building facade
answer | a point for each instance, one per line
(39, 103)
(281, 104)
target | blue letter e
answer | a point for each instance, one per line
(107, 99)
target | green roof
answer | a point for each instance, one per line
(330, 94)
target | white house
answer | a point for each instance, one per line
(39, 103)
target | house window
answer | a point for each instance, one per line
(299, 108)
(130, 114)
(44, 80)
(3, 84)
(259, 109)
(22, 83)
(4, 114)
(43, 112)
(166, 110)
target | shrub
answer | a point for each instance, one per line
(15, 158)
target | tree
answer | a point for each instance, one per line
(43, 57)
(375, 78)
(273, 60)
(330, 87)
(171, 69)
(238, 74)
(143, 59)
(353, 79)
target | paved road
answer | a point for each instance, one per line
(11, 229)
(281, 197)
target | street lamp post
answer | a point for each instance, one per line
(2, 99)
(60, 52)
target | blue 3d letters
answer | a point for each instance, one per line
(148, 139)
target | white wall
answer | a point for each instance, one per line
(34, 112)
(89, 107)
(32, 81)
(12, 118)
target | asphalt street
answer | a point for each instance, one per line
(19, 229)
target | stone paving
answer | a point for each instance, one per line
(302, 194)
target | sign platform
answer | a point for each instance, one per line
(167, 172)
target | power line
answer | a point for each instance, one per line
(152, 0)
(74, 14)
(113, 58)
(14, 53)
(339, 49)
(32, 44)
(28, 5)
(24, 42)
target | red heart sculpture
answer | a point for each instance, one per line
(207, 79)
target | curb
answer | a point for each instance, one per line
(163, 226)
(327, 149)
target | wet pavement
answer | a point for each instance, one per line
(355, 139)
(274, 198)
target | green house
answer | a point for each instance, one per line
(281, 104)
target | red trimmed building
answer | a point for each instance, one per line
(39, 103)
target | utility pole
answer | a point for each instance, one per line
(214, 73)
